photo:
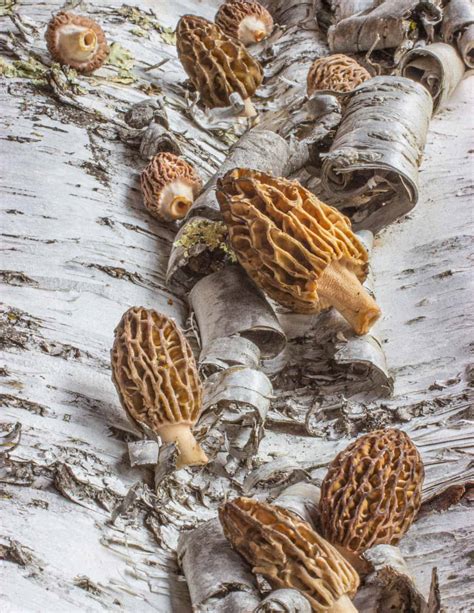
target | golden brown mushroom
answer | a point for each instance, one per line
(250, 22)
(302, 252)
(169, 186)
(287, 552)
(216, 64)
(76, 41)
(155, 374)
(371, 492)
(337, 73)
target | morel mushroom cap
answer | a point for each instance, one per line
(250, 22)
(155, 374)
(216, 64)
(337, 73)
(289, 553)
(169, 185)
(76, 41)
(372, 491)
(302, 252)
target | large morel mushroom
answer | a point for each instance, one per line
(335, 73)
(216, 64)
(371, 492)
(76, 41)
(301, 252)
(288, 553)
(250, 22)
(155, 374)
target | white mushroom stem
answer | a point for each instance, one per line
(340, 287)
(251, 30)
(190, 452)
(249, 109)
(77, 44)
(343, 605)
(176, 199)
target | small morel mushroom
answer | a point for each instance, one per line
(371, 492)
(217, 64)
(250, 22)
(301, 252)
(169, 186)
(155, 374)
(337, 73)
(287, 552)
(76, 41)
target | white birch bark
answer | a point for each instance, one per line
(78, 249)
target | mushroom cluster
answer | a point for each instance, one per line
(335, 73)
(156, 378)
(301, 252)
(169, 186)
(217, 64)
(76, 41)
(287, 552)
(249, 22)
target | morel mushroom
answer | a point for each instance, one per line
(169, 185)
(250, 22)
(76, 41)
(371, 492)
(216, 64)
(337, 73)
(302, 252)
(155, 374)
(287, 552)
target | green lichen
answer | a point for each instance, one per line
(122, 59)
(7, 7)
(146, 22)
(27, 69)
(168, 35)
(213, 234)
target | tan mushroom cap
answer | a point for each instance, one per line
(372, 491)
(337, 73)
(156, 378)
(250, 22)
(76, 41)
(169, 186)
(301, 252)
(217, 64)
(288, 553)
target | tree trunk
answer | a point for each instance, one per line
(81, 529)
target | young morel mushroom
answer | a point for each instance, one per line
(371, 492)
(301, 252)
(169, 186)
(250, 22)
(76, 41)
(155, 374)
(216, 64)
(287, 552)
(337, 73)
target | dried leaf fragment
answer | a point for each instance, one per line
(156, 378)
(249, 22)
(337, 73)
(301, 252)
(288, 553)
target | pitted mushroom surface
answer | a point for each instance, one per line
(337, 73)
(249, 22)
(156, 378)
(287, 552)
(169, 186)
(76, 41)
(300, 251)
(217, 64)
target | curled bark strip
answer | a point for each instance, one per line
(386, 26)
(445, 499)
(214, 299)
(217, 577)
(372, 166)
(346, 8)
(222, 352)
(458, 25)
(302, 499)
(284, 601)
(437, 67)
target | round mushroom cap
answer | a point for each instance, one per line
(250, 22)
(372, 491)
(216, 64)
(285, 237)
(337, 73)
(287, 552)
(76, 41)
(169, 185)
(154, 370)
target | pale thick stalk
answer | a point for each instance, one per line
(249, 109)
(77, 45)
(190, 452)
(343, 605)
